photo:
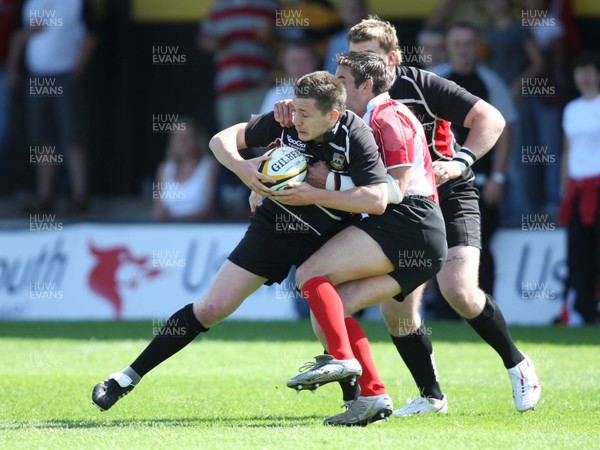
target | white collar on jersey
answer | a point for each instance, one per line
(372, 104)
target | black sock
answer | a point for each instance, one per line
(181, 329)
(491, 326)
(349, 392)
(417, 352)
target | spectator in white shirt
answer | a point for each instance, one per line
(58, 39)
(580, 185)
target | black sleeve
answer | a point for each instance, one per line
(88, 17)
(445, 98)
(365, 165)
(262, 130)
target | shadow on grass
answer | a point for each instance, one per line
(282, 332)
(246, 422)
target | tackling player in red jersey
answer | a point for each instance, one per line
(399, 250)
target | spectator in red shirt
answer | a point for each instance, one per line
(241, 35)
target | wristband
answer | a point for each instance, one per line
(395, 195)
(337, 182)
(465, 157)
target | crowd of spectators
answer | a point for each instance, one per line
(517, 55)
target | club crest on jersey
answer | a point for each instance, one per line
(338, 160)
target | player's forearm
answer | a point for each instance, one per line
(370, 199)
(397, 182)
(226, 144)
(485, 125)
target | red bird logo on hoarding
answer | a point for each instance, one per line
(103, 278)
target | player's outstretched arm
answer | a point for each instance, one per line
(371, 199)
(485, 125)
(226, 145)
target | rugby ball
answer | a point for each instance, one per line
(286, 165)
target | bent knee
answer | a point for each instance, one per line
(210, 313)
(303, 274)
(466, 301)
(307, 271)
(401, 320)
(457, 295)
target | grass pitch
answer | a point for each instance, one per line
(227, 390)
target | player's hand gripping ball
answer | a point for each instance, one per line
(286, 165)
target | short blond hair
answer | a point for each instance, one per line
(375, 29)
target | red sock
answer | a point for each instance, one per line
(326, 305)
(369, 381)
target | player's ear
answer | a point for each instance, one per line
(367, 86)
(334, 116)
(393, 58)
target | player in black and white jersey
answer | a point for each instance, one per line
(323, 131)
(438, 103)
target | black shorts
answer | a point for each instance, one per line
(412, 235)
(459, 202)
(271, 255)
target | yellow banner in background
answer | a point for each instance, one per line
(586, 8)
(195, 10)
(169, 10)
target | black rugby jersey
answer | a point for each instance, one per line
(348, 149)
(476, 85)
(437, 103)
